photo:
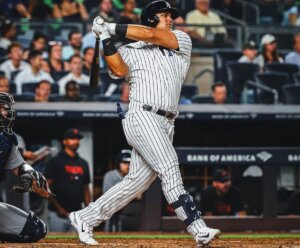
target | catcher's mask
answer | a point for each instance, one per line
(8, 114)
(148, 16)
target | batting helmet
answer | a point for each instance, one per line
(8, 114)
(124, 156)
(148, 17)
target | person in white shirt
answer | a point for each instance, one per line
(34, 73)
(15, 62)
(8, 33)
(294, 56)
(74, 47)
(75, 74)
(249, 53)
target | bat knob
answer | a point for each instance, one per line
(99, 21)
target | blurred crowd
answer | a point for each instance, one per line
(53, 69)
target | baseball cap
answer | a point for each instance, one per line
(267, 39)
(250, 45)
(72, 133)
(221, 176)
(125, 156)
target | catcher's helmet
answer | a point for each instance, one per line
(7, 112)
(124, 156)
(148, 17)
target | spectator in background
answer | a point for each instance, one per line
(13, 9)
(106, 11)
(207, 36)
(88, 54)
(127, 16)
(219, 93)
(269, 52)
(294, 56)
(291, 17)
(74, 47)
(55, 63)
(73, 93)
(69, 177)
(75, 74)
(4, 84)
(110, 179)
(249, 53)
(38, 43)
(40, 9)
(8, 33)
(70, 10)
(34, 73)
(42, 91)
(14, 62)
(125, 90)
(221, 198)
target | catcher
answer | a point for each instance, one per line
(15, 224)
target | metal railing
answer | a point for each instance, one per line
(246, 5)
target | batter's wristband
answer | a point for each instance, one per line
(121, 30)
(109, 47)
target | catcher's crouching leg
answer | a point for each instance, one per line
(34, 230)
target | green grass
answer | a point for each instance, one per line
(181, 236)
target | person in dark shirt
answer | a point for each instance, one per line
(68, 176)
(221, 198)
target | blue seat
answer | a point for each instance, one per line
(274, 80)
(188, 90)
(291, 93)
(290, 69)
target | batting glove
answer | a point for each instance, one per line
(100, 29)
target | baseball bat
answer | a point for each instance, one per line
(94, 76)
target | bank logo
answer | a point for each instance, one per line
(264, 156)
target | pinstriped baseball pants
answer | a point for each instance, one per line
(153, 155)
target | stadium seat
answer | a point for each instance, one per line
(89, 91)
(291, 93)
(58, 75)
(188, 90)
(100, 98)
(12, 88)
(29, 87)
(25, 97)
(202, 99)
(106, 80)
(238, 75)
(296, 77)
(220, 59)
(274, 80)
(279, 67)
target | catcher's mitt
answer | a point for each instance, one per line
(33, 181)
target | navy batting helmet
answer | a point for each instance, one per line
(148, 17)
(124, 156)
(8, 114)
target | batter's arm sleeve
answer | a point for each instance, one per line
(185, 44)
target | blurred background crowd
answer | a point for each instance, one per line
(46, 49)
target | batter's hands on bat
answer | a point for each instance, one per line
(111, 26)
(100, 29)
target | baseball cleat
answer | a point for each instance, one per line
(85, 232)
(205, 236)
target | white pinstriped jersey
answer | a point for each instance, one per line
(156, 74)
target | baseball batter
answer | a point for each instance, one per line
(15, 224)
(155, 68)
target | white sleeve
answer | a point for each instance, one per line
(185, 43)
(124, 52)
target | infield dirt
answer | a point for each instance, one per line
(162, 243)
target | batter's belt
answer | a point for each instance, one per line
(168, 114)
